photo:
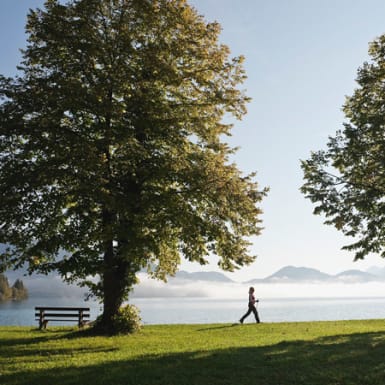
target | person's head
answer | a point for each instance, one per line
(251, 290)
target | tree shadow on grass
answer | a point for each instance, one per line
(355, 359)
(35, 336)
(206, 329)
(26, 346)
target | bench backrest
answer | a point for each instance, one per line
(43, 308)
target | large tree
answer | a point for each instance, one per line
(347, 180)
(112, 146)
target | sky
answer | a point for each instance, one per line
(302, 58)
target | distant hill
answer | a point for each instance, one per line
(377, 271)
(292, 274)
(295, 274)
(211, 276)
(50, 285)
(356, 276)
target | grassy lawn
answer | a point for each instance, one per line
(308, 353)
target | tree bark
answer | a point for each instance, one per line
(114, 283)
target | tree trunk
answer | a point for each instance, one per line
(114, 289)
(114, 282)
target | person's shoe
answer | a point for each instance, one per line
(241, 321)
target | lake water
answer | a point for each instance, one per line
(209, 310)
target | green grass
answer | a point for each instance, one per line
(308, 353)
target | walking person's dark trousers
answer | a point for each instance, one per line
(253, 309)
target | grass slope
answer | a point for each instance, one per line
(308, 353)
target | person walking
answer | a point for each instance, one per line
(251, 308)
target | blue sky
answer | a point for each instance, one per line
(302, 58)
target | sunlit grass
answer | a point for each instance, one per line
(341, 352)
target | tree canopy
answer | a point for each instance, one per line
(112, 148)
(346, 181)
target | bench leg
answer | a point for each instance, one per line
(43, 324)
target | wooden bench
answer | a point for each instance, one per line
(46, 314)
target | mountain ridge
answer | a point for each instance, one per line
(53, 286)
(293, 274)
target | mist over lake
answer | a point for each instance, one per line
(288, 282)
(187, 300)
(212, 310)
